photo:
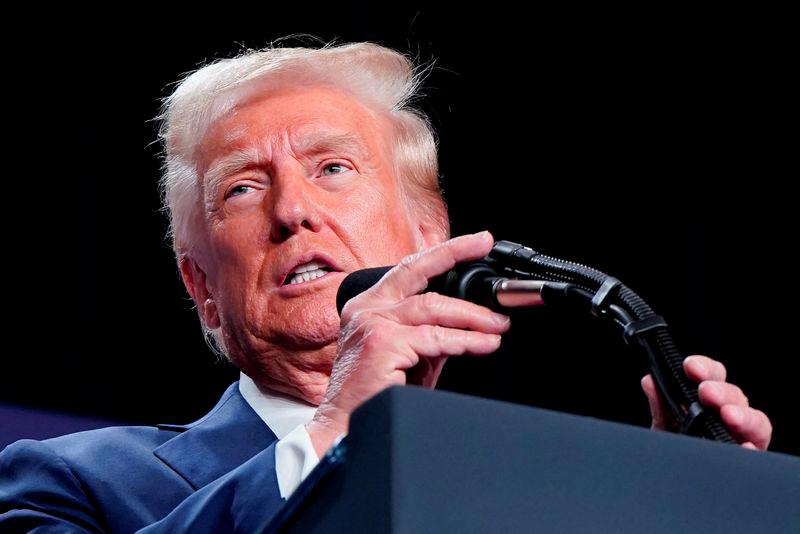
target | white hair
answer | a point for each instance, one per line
(375, 75)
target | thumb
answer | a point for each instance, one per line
(660, 418)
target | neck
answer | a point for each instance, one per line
(303, 374)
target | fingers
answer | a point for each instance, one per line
(433, 326)
(747, 425)
(717, 394)
(432, 341)
(435, 309)
(699, 368)
(750, 427)
(393, 345)
(661, 420)
(390, 334)
(426, 372)
(412, 274)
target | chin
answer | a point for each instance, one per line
(316, 326)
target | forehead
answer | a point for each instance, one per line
(296, 118)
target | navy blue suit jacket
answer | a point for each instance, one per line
(214, 475)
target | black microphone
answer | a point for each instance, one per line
(477, 282)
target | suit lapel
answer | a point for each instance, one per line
(229, 435)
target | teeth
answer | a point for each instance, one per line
(305, 276)
(310, 266)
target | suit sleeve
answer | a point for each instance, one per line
(39, 492)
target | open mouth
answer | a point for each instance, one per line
(307, 272)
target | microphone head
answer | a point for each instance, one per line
(469, 281)
(357, 282)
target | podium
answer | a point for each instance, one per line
(421, 461)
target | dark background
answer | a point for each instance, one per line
(655, 146)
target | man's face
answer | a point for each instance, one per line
(299, 180)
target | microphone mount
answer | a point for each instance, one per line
(514, 275)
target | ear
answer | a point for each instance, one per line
(429, 233)
(194, 278)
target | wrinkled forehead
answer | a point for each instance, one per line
(297, 119)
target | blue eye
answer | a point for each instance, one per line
(334, 165)
(238, 190)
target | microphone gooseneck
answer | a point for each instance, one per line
(516, 276)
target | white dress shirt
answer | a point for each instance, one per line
(295, 455)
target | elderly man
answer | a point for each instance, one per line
(285, 170)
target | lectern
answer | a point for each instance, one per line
(420, 461)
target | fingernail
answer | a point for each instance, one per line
(483, 234)
(501, 319)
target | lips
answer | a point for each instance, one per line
(306, 273)
(305, 268)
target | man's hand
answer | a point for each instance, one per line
(750, 427)
(391, 328)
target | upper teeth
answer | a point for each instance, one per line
(306, 272)
(310, 266)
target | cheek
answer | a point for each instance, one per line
(238, 240)
(238, 255)
(379, 227)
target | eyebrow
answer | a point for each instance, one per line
(316, 144)
(253, 155)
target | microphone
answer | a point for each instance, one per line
(477, 282)
(492, 282)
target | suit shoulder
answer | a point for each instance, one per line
(91, 446)
(113, 437)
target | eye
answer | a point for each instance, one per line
(338, 167)
(238, 190)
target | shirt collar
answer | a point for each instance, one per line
(281, 413)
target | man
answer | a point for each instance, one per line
(286, 169)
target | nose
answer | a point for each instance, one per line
(293, 207)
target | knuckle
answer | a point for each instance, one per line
(722, 371)
(376, 334)
(737, 391)
(355, 317)
(350, 312)
(438, 334)
(765, 420)
(357, 305)
(408, 262)
(365, 329)
(430, 301)
(410, 270)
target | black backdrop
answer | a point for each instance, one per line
(654, 146)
